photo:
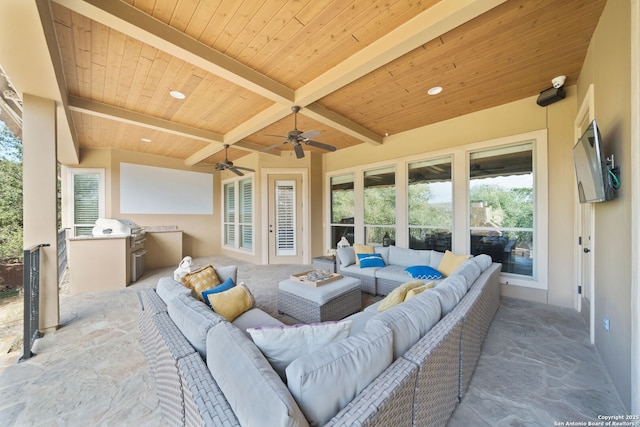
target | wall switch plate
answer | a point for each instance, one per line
(606, 324)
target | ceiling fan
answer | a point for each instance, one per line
(297, 137)
(228, 165)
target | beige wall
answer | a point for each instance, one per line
(201, 233)
(607, 67)
(510, 119)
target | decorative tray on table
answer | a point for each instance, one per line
(316, 277)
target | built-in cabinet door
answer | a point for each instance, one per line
(285, 219)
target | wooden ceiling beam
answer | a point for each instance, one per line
(341, 123)
(128, 20)
(99, 109)
(251, 126)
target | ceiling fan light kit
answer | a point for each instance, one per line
(297, 138)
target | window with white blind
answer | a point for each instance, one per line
(87, 201)
(238, 214)
(285, 218)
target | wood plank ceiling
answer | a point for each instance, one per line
(359, 69)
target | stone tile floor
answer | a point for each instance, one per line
(536, 368)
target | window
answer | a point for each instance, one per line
(380, 205)
(238, 214)
(430, 204)
(501, 206)
(87, 201)
(285, 213)
(342, 208)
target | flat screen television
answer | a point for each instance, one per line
(592, 173)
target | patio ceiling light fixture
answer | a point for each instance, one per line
(435, 90)
(177, 94)
(145, 139)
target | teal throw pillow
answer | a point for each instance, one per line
(423, 272)
(370, 260)
(224, 286)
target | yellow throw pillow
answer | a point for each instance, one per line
(200, 280)
(450, 262)
(415, 291)
(361, 249)
(232, 303)
(397, 295)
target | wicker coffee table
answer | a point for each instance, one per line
(309, 304)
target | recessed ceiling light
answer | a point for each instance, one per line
(435, 90)
(145, 139)
(177, 94)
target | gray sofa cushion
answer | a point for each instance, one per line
(394, 272)
(408, 257)
(409, 321)
(194, 319)
(367, 271)
(450, 292)
(254, 391)
(167, 288)
(227, 271)
(483, 261)
(436, 257)
(255, 317)
(347, 256)
(359, 320)
(470, 270)
(384, 251)
(325, 382)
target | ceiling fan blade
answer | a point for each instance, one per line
(321, 145)
(299, 151)
(244, 169)
(273, 146)
(309, 134)
(277, 136)
(235, 170)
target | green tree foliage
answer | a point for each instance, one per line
(10, 194)
(422, 212)
(513, 207)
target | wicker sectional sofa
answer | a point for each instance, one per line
(418, 377)
(383, 280)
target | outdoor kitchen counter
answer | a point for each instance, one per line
(99, 263)
(163, 245)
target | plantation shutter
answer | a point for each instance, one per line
(285, 218)
(86, 202)
(229, 214)
(246, 214)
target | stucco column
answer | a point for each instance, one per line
(39, 199)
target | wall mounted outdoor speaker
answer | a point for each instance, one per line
(551, 95)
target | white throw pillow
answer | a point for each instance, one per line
(281, 345)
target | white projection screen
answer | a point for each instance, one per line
(154, 190)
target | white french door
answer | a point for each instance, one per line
(285, 219)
